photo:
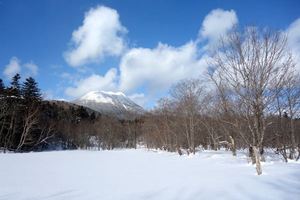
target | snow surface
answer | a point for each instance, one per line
(109, 103)
(97, 97)
(114, 93)
(143, 174)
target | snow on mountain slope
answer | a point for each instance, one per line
(109, 103)
(141, 174)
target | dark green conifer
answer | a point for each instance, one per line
(30, 90)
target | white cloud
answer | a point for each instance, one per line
(100, 35)
(32, 68)
(139, 98)
(94, 82)
(15, 66)
(12, 68)
(217, 24)
(48, 94)
(158, 68)
(293, 33)
(151, 70)
(68, 77)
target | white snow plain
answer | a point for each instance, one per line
(144, 174)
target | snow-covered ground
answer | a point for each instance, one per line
(141, 174)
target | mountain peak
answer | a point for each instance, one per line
(96, 96)
(101, 96)
(107, 102)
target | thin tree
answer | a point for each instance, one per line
(291, 93)
(252, 63)
(189, 97)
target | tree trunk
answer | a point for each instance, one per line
(257, 160)
(252, 155)
(293, 141)
(262, 154)
(192, 134)
(233, 146)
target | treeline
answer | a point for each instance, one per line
(28, 123)
(18, 115)
(250, 99)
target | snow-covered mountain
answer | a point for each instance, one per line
(113, 103)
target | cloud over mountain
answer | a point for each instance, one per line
(154, 69)
(148, 71)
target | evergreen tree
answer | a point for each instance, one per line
(2, 87)
(82, 113)
(30, 90)
(15, 86)
(92, 117)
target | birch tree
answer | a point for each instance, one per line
(253, 62)
(189, 96)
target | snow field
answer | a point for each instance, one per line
(144, 174)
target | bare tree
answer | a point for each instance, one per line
(46, 133)
(225, 110)
(29, 122)
(3, 119)
(252, 63)
(292, 95)
(190, 98)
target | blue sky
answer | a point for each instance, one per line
(138, 47)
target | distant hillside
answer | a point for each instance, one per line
(69, 105)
